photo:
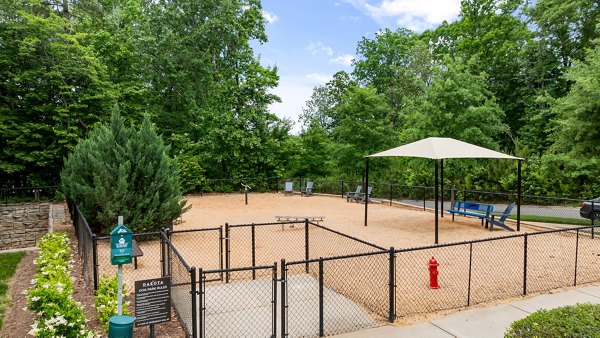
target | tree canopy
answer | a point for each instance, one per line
(517, 76)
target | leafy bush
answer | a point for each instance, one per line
(57, 314)
(581, 320)
(105, 300)
(119, 170)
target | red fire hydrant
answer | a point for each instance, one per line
(433, 273)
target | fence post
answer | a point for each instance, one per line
(342, 188)
(392, 284)
(95, 260)
(306, 243)
(593, 219)
(221, 250)
(168, 249)
(321, 300)
(227, 253)
(162, 252)
(470, 269)
(391, 193)
(283, 299)
(193, 292)
(253, 252)
(274, 306)
(576, 256)
(424, 197)
(525, 265)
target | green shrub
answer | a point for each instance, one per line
(105, 300)
(581, 320)
(57, 314)
(119, 170)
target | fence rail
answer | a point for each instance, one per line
(27, 194)
(544, 209)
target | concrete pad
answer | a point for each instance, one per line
(248, 322)
(484, 322)
(237, 296)
(422, 330)
(245, 308)
(593, 290)
(571, 297)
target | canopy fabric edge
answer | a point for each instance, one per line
(438, 148)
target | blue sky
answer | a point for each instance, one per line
(310, 40)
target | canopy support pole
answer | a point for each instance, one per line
(519, 196)
(435, 192)
(366, 187)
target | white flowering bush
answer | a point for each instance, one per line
(50, 297)
(106, 300)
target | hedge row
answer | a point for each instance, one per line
(57, 314)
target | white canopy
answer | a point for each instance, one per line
(442, 147)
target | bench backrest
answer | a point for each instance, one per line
(460, 205)
(507, 212)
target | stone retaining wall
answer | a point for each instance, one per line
(21, 225)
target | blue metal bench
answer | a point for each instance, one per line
(478, 210)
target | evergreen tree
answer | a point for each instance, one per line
(119, 170)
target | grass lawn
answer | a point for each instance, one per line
(551, 219)
(8, 265)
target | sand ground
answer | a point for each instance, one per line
(468, 273)
(397, 226)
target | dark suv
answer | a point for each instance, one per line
(586, 209)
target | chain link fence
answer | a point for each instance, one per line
(86, 245)
(147, 258)
(242, 306)
(258, 244)
(184, 297)
(201, 247)
(341, 294)
(543, 211)
(330, 282)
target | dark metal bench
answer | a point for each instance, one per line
(135, 252)
(478, 210)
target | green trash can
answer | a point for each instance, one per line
(120, 327)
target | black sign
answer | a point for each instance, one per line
(152, 301)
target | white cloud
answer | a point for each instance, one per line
(293, 98)
(319, 78)
(318, 48)
(416, 15)
(294, 90)
(269, 17)
(344, 60)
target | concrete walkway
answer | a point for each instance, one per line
(487, 322)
